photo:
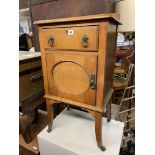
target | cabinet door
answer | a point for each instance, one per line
(72, 76)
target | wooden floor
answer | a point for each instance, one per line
(32, 148)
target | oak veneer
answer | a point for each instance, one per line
(78, 62)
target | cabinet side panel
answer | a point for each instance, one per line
(43, 60)
(109, 60)
(101, 63)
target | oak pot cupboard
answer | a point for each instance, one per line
(78, 62)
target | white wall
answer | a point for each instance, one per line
(126, 9)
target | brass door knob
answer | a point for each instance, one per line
(85, 41)
(51, 41)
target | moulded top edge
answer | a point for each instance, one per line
(109, 16)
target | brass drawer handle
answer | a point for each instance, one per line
(36, 77)
(85, 41)
(92, 83)
(51, 41)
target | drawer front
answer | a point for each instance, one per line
(30, 82)
(71, 38)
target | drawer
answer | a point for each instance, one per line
(30, 83)
(29, 65)
(71, 38)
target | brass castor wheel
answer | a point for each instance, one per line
(49, 130)
(102, 148)
(108, 119)
(125, 134)
(68, 107)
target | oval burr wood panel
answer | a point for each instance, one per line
(70, 77)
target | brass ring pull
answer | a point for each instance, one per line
(51, 41)
(85, 41)
(92, 83)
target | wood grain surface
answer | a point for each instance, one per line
(63, 40)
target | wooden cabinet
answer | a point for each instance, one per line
(31, 91)
(78, 60)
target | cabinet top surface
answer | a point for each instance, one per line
(110, 16)
(25, 55)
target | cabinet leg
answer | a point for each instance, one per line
(25, 131)
(108, 111)
(25, 123)
(98, 130)
(50, 114)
